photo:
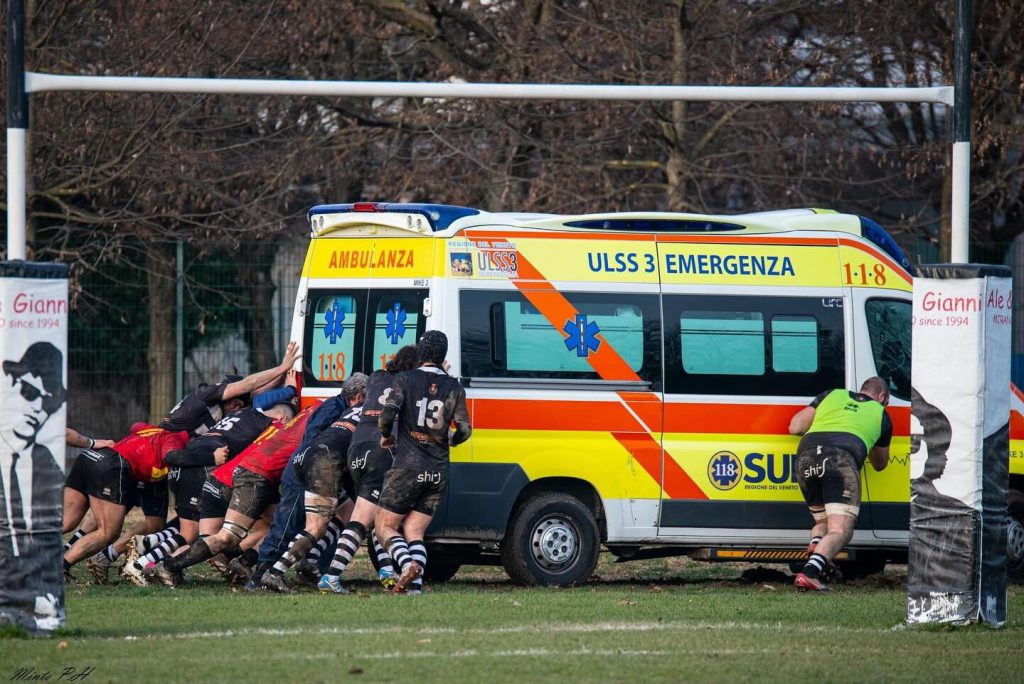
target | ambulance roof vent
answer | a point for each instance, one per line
(659, 225)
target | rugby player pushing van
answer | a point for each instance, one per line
(841, 429)
(425, 401)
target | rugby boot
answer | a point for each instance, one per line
(275, 582)
(167, 577)
(220, 564)
(238, 571)
(133, 573)
(136, 548)
(331, 585)
(410, 573)
(255, 582)
(98, 566)
(387, 578)
(307, 573)
(804, 583)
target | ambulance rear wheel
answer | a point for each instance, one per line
(553, 540)
(1015, 535)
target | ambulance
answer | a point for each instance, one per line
(630, 376)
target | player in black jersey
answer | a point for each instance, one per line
(191, 466)
(425, 401)
(319, 469)
(368, 463)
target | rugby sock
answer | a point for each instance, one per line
(814, 543)
(348, 544)
(418, 551)
(329, 539)
(399, 551)
(815, 565)
(73, 538)
(161, 551)
(233, 552)
(297, 550)
(111, 553)
(151, 541)
(196, 553)
(383, 557)
(250, 557)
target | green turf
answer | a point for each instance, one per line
(669, 620)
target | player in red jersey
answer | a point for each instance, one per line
(102, 480)
(254, 477)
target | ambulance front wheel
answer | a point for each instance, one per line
(553, 540)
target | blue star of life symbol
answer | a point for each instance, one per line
(582, 335)
(396, 323)
(334, 319)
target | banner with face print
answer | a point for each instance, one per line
(33, 393)
(959, 467)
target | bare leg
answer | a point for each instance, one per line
(109, 520)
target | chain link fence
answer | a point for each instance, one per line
(146, 330)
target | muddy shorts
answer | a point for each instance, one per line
(252, 493)
(368, 463)
(319, 469)
(829, 479)
(102, 473)
(407, 490)
(187, 486)
(150, 497)
(213, 502)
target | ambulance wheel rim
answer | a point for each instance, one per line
(1015, 540)
(555, 542)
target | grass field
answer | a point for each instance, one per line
(665, 620)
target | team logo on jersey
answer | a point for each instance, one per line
(106, 491)
(725, 470)
(582, 336)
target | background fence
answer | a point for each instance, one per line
(142, 336)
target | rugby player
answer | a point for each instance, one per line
(195, 413)
(319, 469)
(102, 480)
(368, 463)
(425, 402)
(841, 430)
(192, 465)
(291, 514)
(253, 481)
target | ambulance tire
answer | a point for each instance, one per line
(553, 540)
(1015, 535)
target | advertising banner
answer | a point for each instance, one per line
(959, 468)
(33, 393)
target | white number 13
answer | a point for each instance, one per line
(433, 419)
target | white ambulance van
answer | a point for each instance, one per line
(630, 376)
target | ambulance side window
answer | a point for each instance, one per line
(790, 346)
(889, 325)
(505, 334)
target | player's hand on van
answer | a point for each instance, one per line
(220, 455)
(291, 355)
